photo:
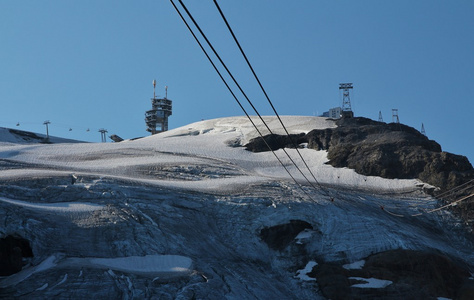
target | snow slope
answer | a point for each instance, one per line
(205, 143)
(193, 201)
(25, 137)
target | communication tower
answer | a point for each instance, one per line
(346, 100)
(380, 116)
(156, 118)
(395, 118)
(423, 132)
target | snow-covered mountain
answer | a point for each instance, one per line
(191, 214)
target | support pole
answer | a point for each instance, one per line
(47, 129)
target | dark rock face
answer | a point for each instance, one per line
(26, 135)
(12, 251)
(275, 142)
(279, 236)
(414, 275)
(377, 149)
(392, 151)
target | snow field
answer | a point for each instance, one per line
(201, 144)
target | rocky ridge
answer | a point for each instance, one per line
(373, 148)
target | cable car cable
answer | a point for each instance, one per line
(235, 97)
(265, 93)
(239, 87)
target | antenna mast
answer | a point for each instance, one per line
(346, 100)
(154, 86)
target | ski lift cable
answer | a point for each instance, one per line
(399, 215)
(265, 93)
(239, 87)
(53, 124)
(235, 97)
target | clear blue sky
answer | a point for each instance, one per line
(90, 64)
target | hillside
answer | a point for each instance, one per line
(9, 135)
(191, 214)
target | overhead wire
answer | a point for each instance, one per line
(268, 99)
(238, 86)
(266, 95)
(456, 188)
(51, 125)
(452, 203)
(230, 90)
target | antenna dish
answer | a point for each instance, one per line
(154, 82)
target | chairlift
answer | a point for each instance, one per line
(70, 129)
(18, 124)
(88, 130)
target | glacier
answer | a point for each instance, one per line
(179, 215)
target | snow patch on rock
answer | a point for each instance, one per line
(371, 283)
(303, 273)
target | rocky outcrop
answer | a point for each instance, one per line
(407, 274)
(378, 149)
(390, 151)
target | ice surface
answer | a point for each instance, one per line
(355, 265)
(146, 264)
(62, 207)
(303, 235)
(44, 286)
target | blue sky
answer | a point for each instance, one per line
(90, 64)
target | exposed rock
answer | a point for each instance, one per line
(279, 236)
(410, 274)
(275, 142)
(378, 149)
